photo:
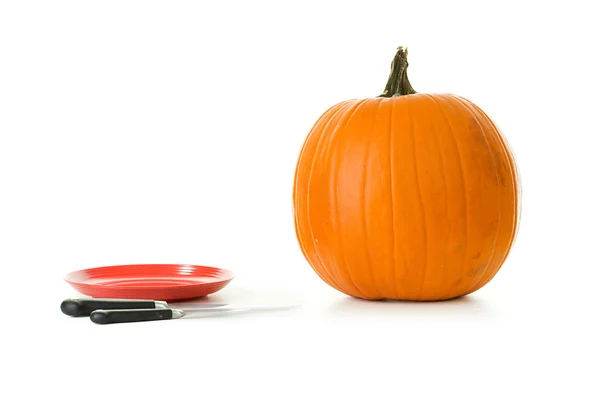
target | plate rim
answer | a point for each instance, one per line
(68, 277)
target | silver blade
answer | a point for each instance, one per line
(196, 306)
(219, 311)
(180, 305)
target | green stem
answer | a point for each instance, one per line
(398, 84)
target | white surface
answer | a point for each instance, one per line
(146, 131)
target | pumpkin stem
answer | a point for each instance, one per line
(398, 84)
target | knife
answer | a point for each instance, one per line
(141, 315)
(84, 307)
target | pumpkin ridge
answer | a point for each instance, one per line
(329, 133)
(484, 275)
(513, 173)
(313, 131)
(421, 203)
(512, 166)
(462, 174)
(444, 179)
(364, 203)
(297, 196)
(392, 201)
(334, 160)
(323, 269)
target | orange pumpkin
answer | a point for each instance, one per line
(406, 196)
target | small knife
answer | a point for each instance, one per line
(120, 316)
(84, 307)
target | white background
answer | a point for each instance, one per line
(168, 131)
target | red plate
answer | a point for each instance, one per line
(150, 281)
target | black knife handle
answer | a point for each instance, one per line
(84, 307)
(118, 316)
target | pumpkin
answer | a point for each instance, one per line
(406, 196)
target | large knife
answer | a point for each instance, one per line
(84, 307)
(140, 315)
